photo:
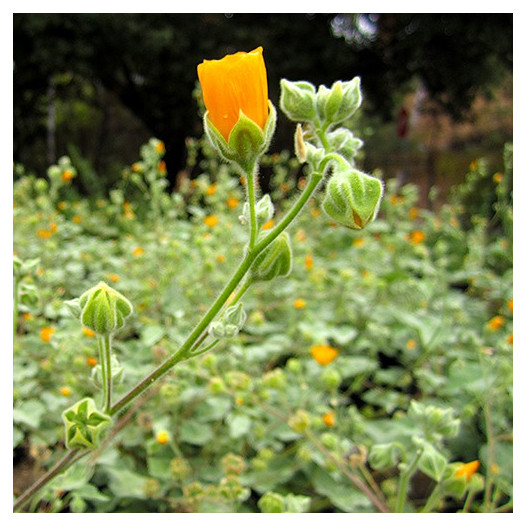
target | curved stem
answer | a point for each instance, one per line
(251, 189)
(69, 458)
(404, 482)
(106, 344)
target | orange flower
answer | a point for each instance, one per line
(509, 339)
(136, 167)
(138, 251)
(300, 303)
(46, 333)
(413, 212)
(232, 202)
(496, 323)
(410, 344)
(91, 361)
(44, 234)
(416, 237)
(268, 225)
(76, 219)
(309, 262)
(323, 354)
(67, 175)
(88, 332)
(159, 147)
(162, 167)
(65, 391)
(113, 278)
(510, 305)
(497, 178)
(358, 242)
(220, 258)
(235, 83)
(328, 419)
(211, 221)
(467, 470)
(212, 189)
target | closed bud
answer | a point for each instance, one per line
(264, 209)
(230, 323)
(345, 143)
(299, 421)
(246, 142)
(84, 424)
(300, 149)
(103, 309)
(271, 503)
(298, 100)
(352, 198)
(337, 104)
(274, 261)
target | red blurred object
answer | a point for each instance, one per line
(402, 123)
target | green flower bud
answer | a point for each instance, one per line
(117, 372)
(84, 424)
(230, 323)
(331, 378)
(352, 198)
(383, 456)
(340, 102)
(274, 261)
(271, 503)
(298, 100)
(345, 143)
(103, 309)
(264, 209)
(299, 421)
(246, 142)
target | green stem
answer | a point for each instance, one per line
(433, 499)
(184, 351)
(69, 458)
(16, 288)
(250, 175)
(106, 344)
(404, 482)
(103, 372)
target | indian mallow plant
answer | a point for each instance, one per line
(239, 122)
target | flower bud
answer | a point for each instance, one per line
(271, 503)
(345, 143)
(274, 261)
(264, 209)
(337, 104)
(352, 198)
(84, 425)
(383, 456)
(298, 100)
(230, 323)
(103, 309)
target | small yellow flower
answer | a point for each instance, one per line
(239, 400)
(396, 199)
(52, 227)
(27, 316)
(162, 437)
(510, 305)
(159, 147)
(473, 166)
(88, 332)
(358, 242)
(494, 469)
(220, 258)
(467, 470)
(509, 339)
(43, 233)
(268, 225)
(233, 84)
(328, 419)
(136, 167)
(323, 354)
(91, 361)
(212, 189)
(232, 202)
(113, 278)
(138, 251)
(496, 323)
(416, 237)
(46, 333)
(65, 391)
(67, 175)
(410, 344)
(309, 262)
(62, 205)
(300, 303)
(76, 219)
(315, 212)
(211, 221)
(413, 213)
(497, 178)
(301, 236)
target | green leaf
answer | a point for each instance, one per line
(29, 413)
(152, 334)
(196, 433)
(77, 476)
(432, 463)
(126, 483)
(238, 425)
(297, 503)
